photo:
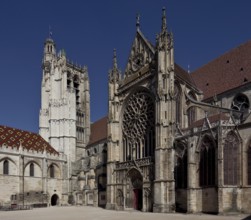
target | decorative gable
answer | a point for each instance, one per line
(142, 53)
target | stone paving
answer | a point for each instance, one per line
(93, 213)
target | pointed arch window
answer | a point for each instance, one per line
(207, 162)
(32, 169)
(231, 159)
(139, 126)
(191, 114)
(181, 166)
(6, 167)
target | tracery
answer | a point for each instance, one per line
(138, 126)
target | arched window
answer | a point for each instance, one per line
(181, 166)
(6, 167)
(191, 114)
(207, 162)
(32, 169)
(139, 126)
(231, 159)
(241, 104)
(52, 171)
(177, 93)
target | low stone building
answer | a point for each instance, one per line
(31, 171)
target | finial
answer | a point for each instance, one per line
(137, 21)
(163, 27)
(115, 65)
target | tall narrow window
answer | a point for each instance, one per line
(249, 163)
(52, 171)
(231, 159)
(6, 167)
(181, 167)
(177, 93)
(32, 169)
(191, 114)
(207, 162)
(138, 126)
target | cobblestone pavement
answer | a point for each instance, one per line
(92, 213)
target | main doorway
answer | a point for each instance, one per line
(136, 182)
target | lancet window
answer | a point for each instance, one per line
(6, 167)
(181, 166)
(191, 114)
(32, 169)
(177, 93)
(231, 159)
(207, 162)
(138, 126)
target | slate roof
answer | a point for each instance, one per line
(229, 71)
(12, 137)
(98, 131)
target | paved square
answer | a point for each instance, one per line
(93, 213)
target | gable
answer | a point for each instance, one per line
(141, 54)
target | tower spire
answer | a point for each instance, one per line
(163, 26)
(114, 73)
(138, 21)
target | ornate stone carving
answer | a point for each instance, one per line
(138, 115)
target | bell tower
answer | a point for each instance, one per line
(65, 103)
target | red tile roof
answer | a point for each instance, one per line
(227, 72)
(12, 137)
(98, 130)
(180, 72)
(211, 118)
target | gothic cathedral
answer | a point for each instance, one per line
(172, 141)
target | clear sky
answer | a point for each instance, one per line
(90, 30)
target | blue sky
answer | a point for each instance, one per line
(90, 30)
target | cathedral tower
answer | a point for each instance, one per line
(65, 103)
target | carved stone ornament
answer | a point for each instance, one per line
(137, 62)
(139, 115)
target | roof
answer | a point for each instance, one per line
(229, 71)
(98, 130)
(180, 72)
(211, 119)
(13, 137)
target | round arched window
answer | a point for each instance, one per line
(241, 105)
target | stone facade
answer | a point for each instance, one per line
(172, 141)
(25, 175)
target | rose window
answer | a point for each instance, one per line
(138, 115)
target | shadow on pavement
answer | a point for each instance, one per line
(247, 218)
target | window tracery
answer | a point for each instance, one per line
(240, 103)
(231, 159)
(138, 126)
